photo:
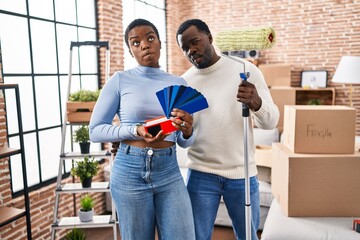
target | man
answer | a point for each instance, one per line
(216, 158)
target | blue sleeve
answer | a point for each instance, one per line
(182, 142)
(102, 128)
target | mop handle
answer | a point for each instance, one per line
(245, 109)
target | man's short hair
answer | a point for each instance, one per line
(199, 24)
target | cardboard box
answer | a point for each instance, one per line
(283, 96)
(264, 174)
(319, 129)
(276, 74)
(315, 185)
(263, 155)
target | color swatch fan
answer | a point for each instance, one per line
(181, 97)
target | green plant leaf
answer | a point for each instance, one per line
(85, 168)
(314, 102)
(75, 234)
(84, 96)
(86, 203)
(82, 134)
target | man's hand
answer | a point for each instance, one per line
(248, 95)
(114, 147)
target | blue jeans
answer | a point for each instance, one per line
(148, 190)
(205, 192)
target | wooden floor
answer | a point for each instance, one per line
(220, 233)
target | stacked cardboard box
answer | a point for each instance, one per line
(315, 171)
(278, 79)
(319, 129)
(263, 155)
(263, 138)
(283, 96)
(276, 74)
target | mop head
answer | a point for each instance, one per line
(254, 38)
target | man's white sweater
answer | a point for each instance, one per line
(219, 130)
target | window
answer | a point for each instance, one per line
(153, 11)
(36, 56)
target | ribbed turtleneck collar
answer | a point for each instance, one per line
(209, 69)
(148, 70)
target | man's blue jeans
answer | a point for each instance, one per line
(205, 192)
(147, 188)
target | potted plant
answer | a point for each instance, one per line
(81, 136)
(314, 102)
(85, 170)
(84, 96)
(75, 234)
(86, 211)
(80, 105)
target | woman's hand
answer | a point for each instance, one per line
(150, 138)
(183, 121)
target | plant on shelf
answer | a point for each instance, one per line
(80, 105)
(75, 234)
(86, 211)
(81, 136)
(84, 96)
(314, 102)
(85, 170)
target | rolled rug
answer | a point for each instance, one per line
(250, 38)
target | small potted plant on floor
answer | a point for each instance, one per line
(85, 170)
(75, 234)
(86, 211)
(81, 136)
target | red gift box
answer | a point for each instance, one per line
(153, 126)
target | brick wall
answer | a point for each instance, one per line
(311, 35)
(110, 29)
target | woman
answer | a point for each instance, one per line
(146, 184)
